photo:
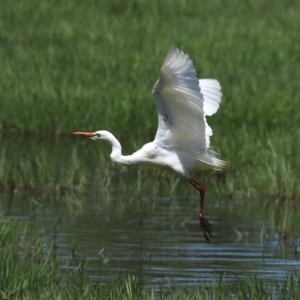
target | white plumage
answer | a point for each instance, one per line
(182, 102)
(182, 140)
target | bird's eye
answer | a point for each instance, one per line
(95, 136)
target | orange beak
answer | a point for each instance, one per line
(87, 134)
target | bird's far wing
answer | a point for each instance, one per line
(212, 94)
(181, 119)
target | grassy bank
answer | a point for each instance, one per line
(29, 270)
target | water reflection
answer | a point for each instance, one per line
(163, 253)
(155, 238)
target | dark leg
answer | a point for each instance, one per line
(204, 224)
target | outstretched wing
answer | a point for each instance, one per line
(181, 116)
(212, 94)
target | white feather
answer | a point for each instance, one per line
(182, 102)
(212, 94)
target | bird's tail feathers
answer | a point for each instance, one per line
(212, 160)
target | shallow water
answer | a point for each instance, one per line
(157, 239)
(163, 252)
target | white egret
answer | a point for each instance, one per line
(182, 138)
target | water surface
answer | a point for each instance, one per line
(153, 234)
(168, 250)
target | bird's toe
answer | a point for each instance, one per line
(206, 227)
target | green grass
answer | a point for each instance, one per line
(89, 65)
(85, 65)
(92, 65)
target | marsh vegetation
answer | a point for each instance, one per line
(91, 65)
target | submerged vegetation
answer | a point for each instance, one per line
(89, 65)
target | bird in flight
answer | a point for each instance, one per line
(182, 140)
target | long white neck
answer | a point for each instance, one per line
(116, 153)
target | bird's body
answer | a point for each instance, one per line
(182, 140)
(151, 153)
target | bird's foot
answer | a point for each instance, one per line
(206, 227)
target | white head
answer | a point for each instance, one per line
(99, 135)
(102, 135)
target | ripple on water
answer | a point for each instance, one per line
(162, 251)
